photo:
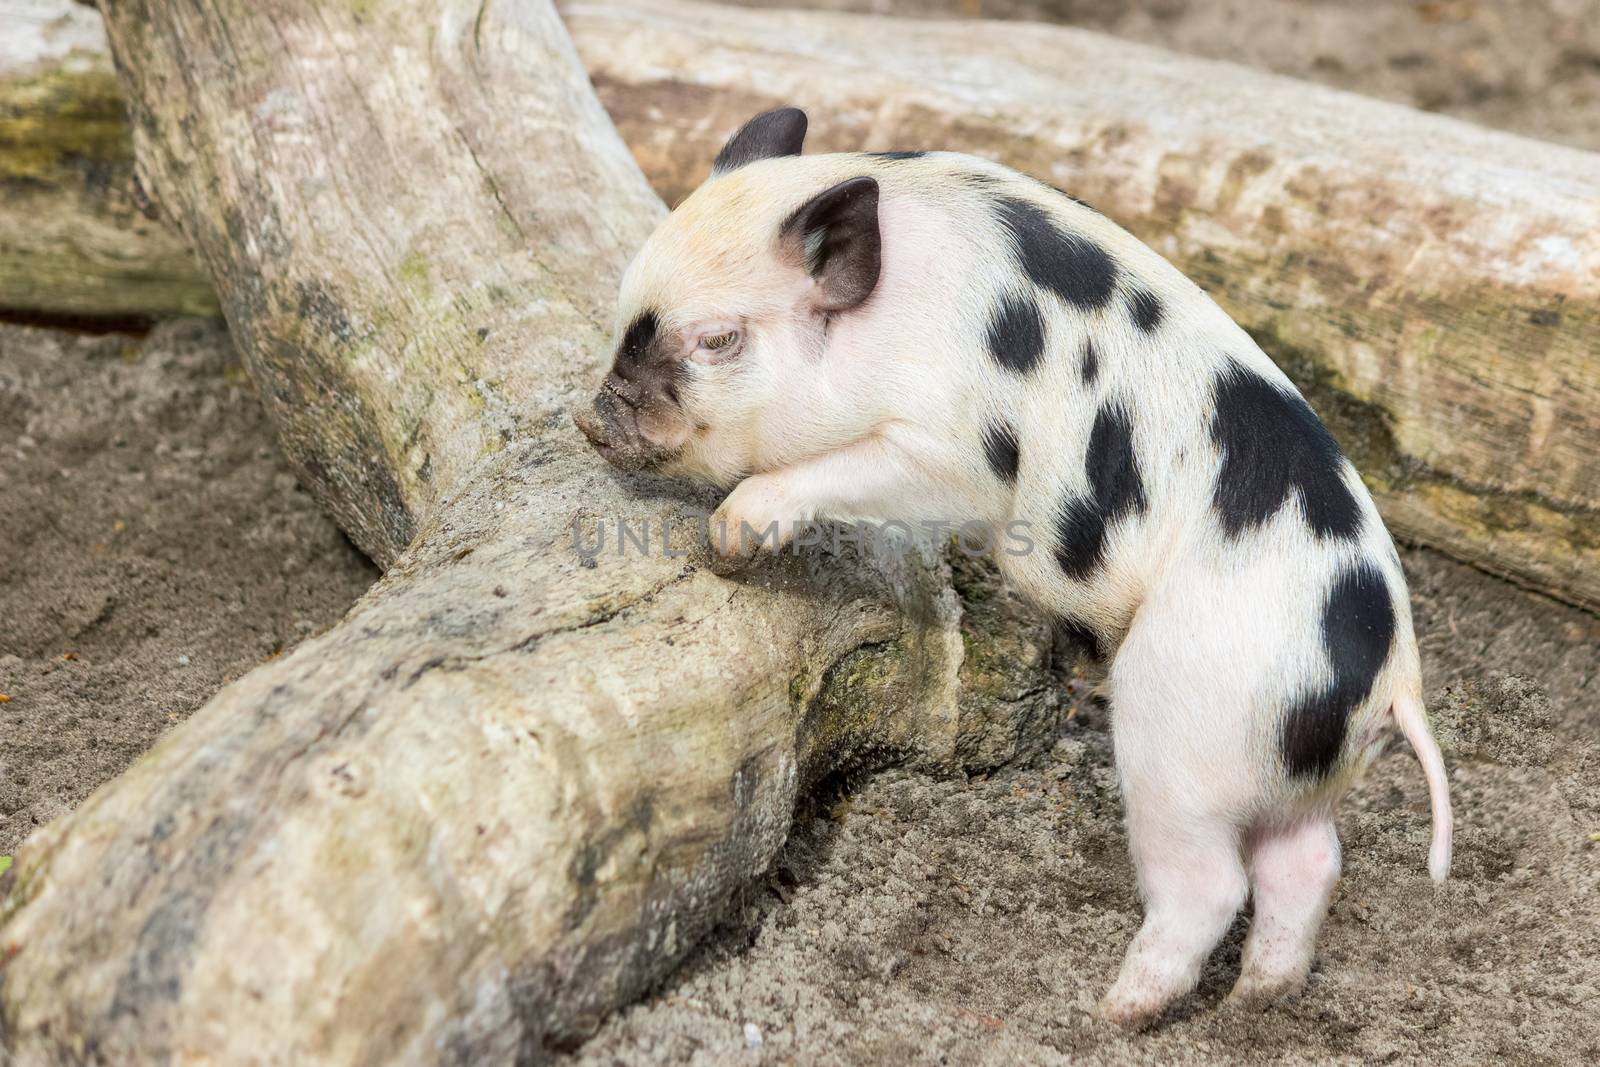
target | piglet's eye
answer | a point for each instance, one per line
(716, 342)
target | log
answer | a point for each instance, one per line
(513, 786)
(75, 239)
(1433, 287)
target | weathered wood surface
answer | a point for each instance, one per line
(1434, 287)
(512, 787)
(74, 240)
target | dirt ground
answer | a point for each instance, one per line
(153, 544)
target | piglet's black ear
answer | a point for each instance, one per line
(835, 235)
(779, 132)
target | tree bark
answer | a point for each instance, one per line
(518, 781)
(74, 239)
(1433, 287)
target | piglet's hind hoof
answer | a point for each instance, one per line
(1128, 1014)
(1258, 994)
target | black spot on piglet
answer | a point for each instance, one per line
(1080, 537)
(638, 342)
(1001, 450)
(1273, 445)
(1066, 263)
(1146, 309)
(1116, 490)
(896, 155)
(1357, 632)
(1112, 467)
(1091, 363)
(1016, 333)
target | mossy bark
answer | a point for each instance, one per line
(75, 241)
(517, 782)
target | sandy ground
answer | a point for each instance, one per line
(153, 545)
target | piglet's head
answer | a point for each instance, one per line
(728, 300)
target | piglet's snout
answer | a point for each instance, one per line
(612, 426)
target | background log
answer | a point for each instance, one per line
(1432, 286)
(74, 239)
(513, 786)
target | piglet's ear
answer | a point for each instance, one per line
(835, 235)
(779, 132)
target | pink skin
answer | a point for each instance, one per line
(1193, 883)
(1199, 835)
(1293, 872)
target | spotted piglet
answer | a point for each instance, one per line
(930, 337)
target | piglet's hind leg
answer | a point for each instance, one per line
(1179, 726)
(1292, 874)
(1193, 884)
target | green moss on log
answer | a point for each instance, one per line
(1009, 700)
(74, 242)
(65, 120)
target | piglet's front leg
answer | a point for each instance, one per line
(761, 512)
(764, 510)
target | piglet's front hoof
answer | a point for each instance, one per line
(726, 563)
(728, 555)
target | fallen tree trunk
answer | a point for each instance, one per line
(1433, 287)
(75, 241)
(517, 782)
